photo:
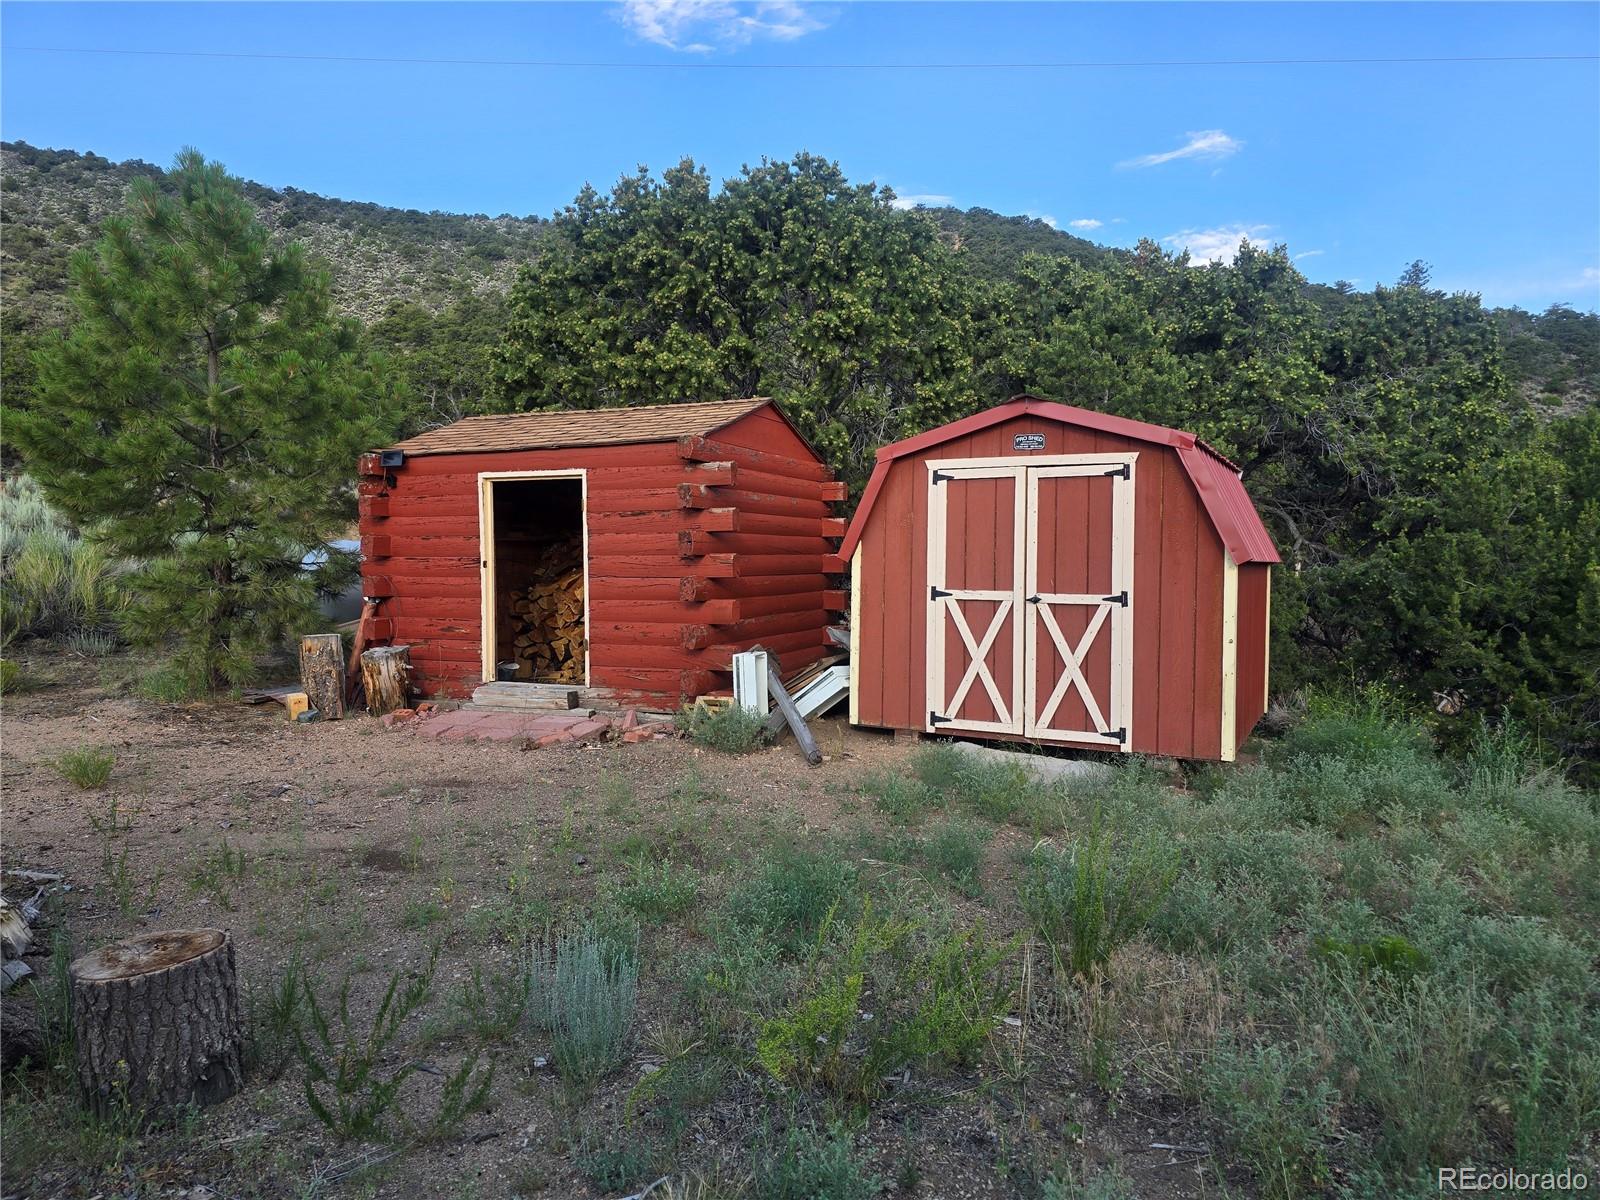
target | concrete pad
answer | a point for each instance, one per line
(1040, 767)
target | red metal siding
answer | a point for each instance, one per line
(1254, 581)
(697, 548)
(1177, 585)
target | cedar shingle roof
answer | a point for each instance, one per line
(579, 427)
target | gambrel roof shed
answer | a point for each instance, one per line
(1070, 577)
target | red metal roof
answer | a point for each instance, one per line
(1218, 481)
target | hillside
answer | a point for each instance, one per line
(431, 285)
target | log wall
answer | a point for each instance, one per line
(698, 548)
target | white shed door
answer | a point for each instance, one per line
(1030, 603)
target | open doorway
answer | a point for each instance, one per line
(535, 608)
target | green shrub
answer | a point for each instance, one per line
(10, 676)
(902, 799)
(811, 1164)
(880, 1004)
(792, 894)
(1089, 899)
(583, 988)
(86, 766)
(993, 790)
(1391, 956)
(1415, 1055)
(954, 849)
(1275, 1113)
(732, 730)
(660, 891)
(1361, 726)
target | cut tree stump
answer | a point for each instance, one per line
(386, 674)
(158, 1022)
(322, 673)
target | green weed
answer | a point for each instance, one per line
(732, 730)
(345, 1084)
(273, 1018)
(658, 892)
(881, 1004)
(419, 914)
(902, 798)
(813, 1164)
(785, 904)
(954, 850)
(86, 767)
(1089, 899)
(1276, 1115)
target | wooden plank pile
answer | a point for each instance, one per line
(547, 618)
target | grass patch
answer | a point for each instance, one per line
(657, 892)
(813, 1164)
(1094, 895)
(87, 767)
(954, 852)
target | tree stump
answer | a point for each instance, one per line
(386, 674)
(158, 1022)
(322, 673)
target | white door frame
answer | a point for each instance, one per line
(486, 609)
(1115, 611)
(1023, 707)
(944, 605)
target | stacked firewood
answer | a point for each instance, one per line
(548, 618)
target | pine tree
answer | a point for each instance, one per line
(202, 419)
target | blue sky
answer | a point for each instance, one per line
(1488, 170)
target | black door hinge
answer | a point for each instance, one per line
(1121, 471)
(1031, 600)
(935, 719)
(1120, 598)
(935, 591)
(941, 476)
(1120, 734)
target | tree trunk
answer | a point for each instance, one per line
(322, 673)
(386, 673)
(158, 1022)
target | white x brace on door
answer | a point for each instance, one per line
(1030, 599)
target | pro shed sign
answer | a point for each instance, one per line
(1027, 441)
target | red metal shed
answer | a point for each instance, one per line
(692, 546)
(1045, 573)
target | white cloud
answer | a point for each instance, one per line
(920, 200)
(1217, 245)
(703, 26)
(1204, 144)
(1086, 223)
(1308, 254)
(1045, 217)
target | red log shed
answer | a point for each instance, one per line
(706, 528)
(1044, 573)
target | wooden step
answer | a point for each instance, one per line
(543, 697)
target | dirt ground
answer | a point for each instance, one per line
(363, 846)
